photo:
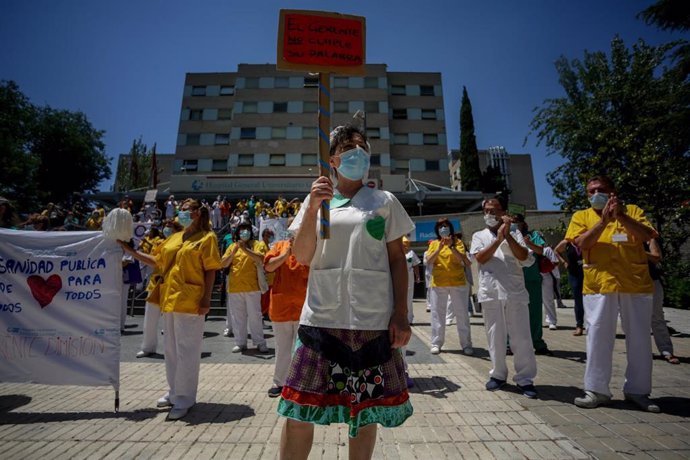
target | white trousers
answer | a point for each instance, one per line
(246, 311)
(152, 314)
(285, 335)
(601, 316)
(183, 336)
(454, 298)
(125, 304)
(410, 297)
(503, 318)
(548, 298)
(228, 310)
(661, 336)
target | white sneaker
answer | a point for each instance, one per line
(239, 349)
(553, 327)
(177, 413)
(435, 350)
(643, 402)
(163, 402)
(143, 354)
(227, 332)
(591, 400)
(262, 348)
(469, 351)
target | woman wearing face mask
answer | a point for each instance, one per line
(347, 366)
(244, 257)
(187, 261)
(449, 288)
(152, 311)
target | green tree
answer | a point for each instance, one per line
(492, 181)
(17, 117)
(470, 175)
(134, 169)
(38, 143)
(626, 115)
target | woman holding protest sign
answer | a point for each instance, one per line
(187, 261)
(347, 366)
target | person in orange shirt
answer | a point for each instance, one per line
(287, 297)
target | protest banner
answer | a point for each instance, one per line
(60, 304)
(322, 42)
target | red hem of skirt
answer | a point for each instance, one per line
(325, 400)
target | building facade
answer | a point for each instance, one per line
(256, 129)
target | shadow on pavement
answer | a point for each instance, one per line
(564, 394)
(217, 413)
(26, 418)
(570, 355)
(437, 387)
(673, 405)
(11, 402)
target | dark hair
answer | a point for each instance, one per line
(243, 225)
(606, 180)
(502, 200)
(267, 231)
(443, 222)
(342, 134)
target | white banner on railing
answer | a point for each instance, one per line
(60, 304)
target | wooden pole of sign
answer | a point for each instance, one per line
(324, 146)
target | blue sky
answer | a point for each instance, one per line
(123, 63)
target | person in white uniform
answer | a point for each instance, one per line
(617, 281)
(501, 254)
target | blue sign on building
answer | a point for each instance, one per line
(424, 229)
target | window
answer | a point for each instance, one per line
(278, 133)
(245, 159)
(371, 82)
(249, 107)
(374, 133)
(340, 82)
(398, 90)
(402, 164)
(225, 114)
(251, 82)
(248, 133)
(281, 82)
(432, 165)
(280, 107)
(189, 165)
(193, 139)
(220, 165)
(195, 114)
(400, 139)
(309, 133)
(431, 139)
(371, 106)
(311, 81)
(340, 107)
(400, 114)
(227, 90)
(426, 90)
(310, 107)
(277, 159)
(198, 91)
(428, 114)
(222, 139)
(375, 160)
(308, 159)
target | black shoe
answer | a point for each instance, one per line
(495, 384)
(509, 352)
(543, 351)
(274, 392)
(528, 390)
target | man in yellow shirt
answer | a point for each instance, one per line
(611, 236)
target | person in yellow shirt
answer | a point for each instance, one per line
(611, 236)
(244, 257)
(187, 261)
(446, 255)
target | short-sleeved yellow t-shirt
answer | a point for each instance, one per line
(617, 261)
(183, 284)
(243, 277)
(448, 271)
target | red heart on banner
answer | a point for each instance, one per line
(44, 290)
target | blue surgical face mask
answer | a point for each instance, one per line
(354, 164)
(185, 218)
(444, 232)
(598, 200)
(167, 231)
(245, 235)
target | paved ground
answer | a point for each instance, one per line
(454, 416)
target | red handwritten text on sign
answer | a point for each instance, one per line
(324, 41)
